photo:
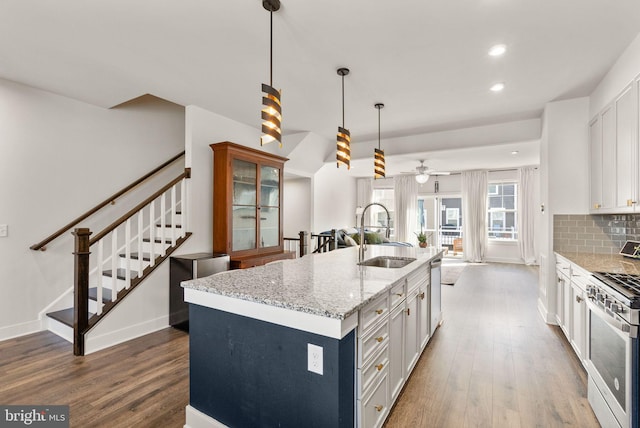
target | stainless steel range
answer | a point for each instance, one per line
(613, 349)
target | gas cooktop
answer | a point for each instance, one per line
(627, 284)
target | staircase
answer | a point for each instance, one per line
(111, 264)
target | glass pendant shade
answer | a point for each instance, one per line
(378, 164)
(343, 148)
(271, 116)
(422, 178)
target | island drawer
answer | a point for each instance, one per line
(373, 312)
(373, 370)
(375, 407)
(417, 278)
(373, 342)
(398, 294)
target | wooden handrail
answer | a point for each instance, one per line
(112, 226)
(42, 245)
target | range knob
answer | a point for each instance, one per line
(616, 308)
(600, 296)
(607, 303)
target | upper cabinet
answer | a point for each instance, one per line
(247, 201)
(613, 143)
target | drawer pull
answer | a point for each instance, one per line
(379, 339)
(579, 299)
(380, 366)
(379, 407)
(408, 311)
(379, 311)
(422, 295)
(399, 294)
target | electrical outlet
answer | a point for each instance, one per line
(4, 230)
(314, 358)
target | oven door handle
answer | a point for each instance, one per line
(631, 331)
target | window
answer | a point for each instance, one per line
(502, 215)
(378, 217)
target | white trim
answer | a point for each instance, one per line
(503, 260)
(549, 318)
(97, 343)
(194, 418)
(16, 330)
(329, 327)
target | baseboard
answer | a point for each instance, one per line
(29, 327)
(500, 260)
(546, 316)
(97, 343)
(196, 419)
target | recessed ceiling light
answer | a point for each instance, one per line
(497, 87)
(497, 50)
(515, 152)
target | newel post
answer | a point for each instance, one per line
(304, 242)
(80, 288)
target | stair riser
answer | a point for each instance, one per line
(158, 247)
(134, 263)
(60, 329)
(106, 283)
(167, 232)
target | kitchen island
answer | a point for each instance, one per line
(315, 341)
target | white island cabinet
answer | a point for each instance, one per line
(316, 341)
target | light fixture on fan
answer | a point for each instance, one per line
(272, 111)
(378, 154)
(422, 176)
(343, 142)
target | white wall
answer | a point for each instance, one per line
(298, 208)
(58, 158)
(564, 181)
(334, 198)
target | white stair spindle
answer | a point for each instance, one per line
(127, 253)
(183, 206)
(114, 264)
(152, 232)
(100, 256)
(140, 227)
(163, 223)
(173, 215)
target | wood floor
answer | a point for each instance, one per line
(493, 363)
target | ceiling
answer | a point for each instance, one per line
(425, 60)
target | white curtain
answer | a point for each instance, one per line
(364, 194)
(405, 191)
(527, 214)
(474, 215)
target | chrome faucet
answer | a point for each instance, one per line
(363, 247)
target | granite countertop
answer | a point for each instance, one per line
(613, 263)
(330, 284)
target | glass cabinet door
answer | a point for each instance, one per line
(269, 206)
(244, 205)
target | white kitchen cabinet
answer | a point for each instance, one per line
(626, 149)
(595, 157)
(608, 119)
(375, 406)
(579, 322)
(567, 308)
(396, 349)
(614, 154)
(411, 344)
(563, 273)
(424, 314)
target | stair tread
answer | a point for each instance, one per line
(106, 294)
(65, 316)
(120, 273)
(145, 256)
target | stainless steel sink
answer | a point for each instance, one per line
(388, 262)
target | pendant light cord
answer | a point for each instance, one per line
(271, 48)
(378, 129)
(343, 100)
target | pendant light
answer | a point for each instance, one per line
(343, 145)
(378, 160)
(271, 112)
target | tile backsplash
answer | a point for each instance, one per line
(602, 233)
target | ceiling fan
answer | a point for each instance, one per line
(423, 172)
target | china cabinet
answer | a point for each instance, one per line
(247, 202)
